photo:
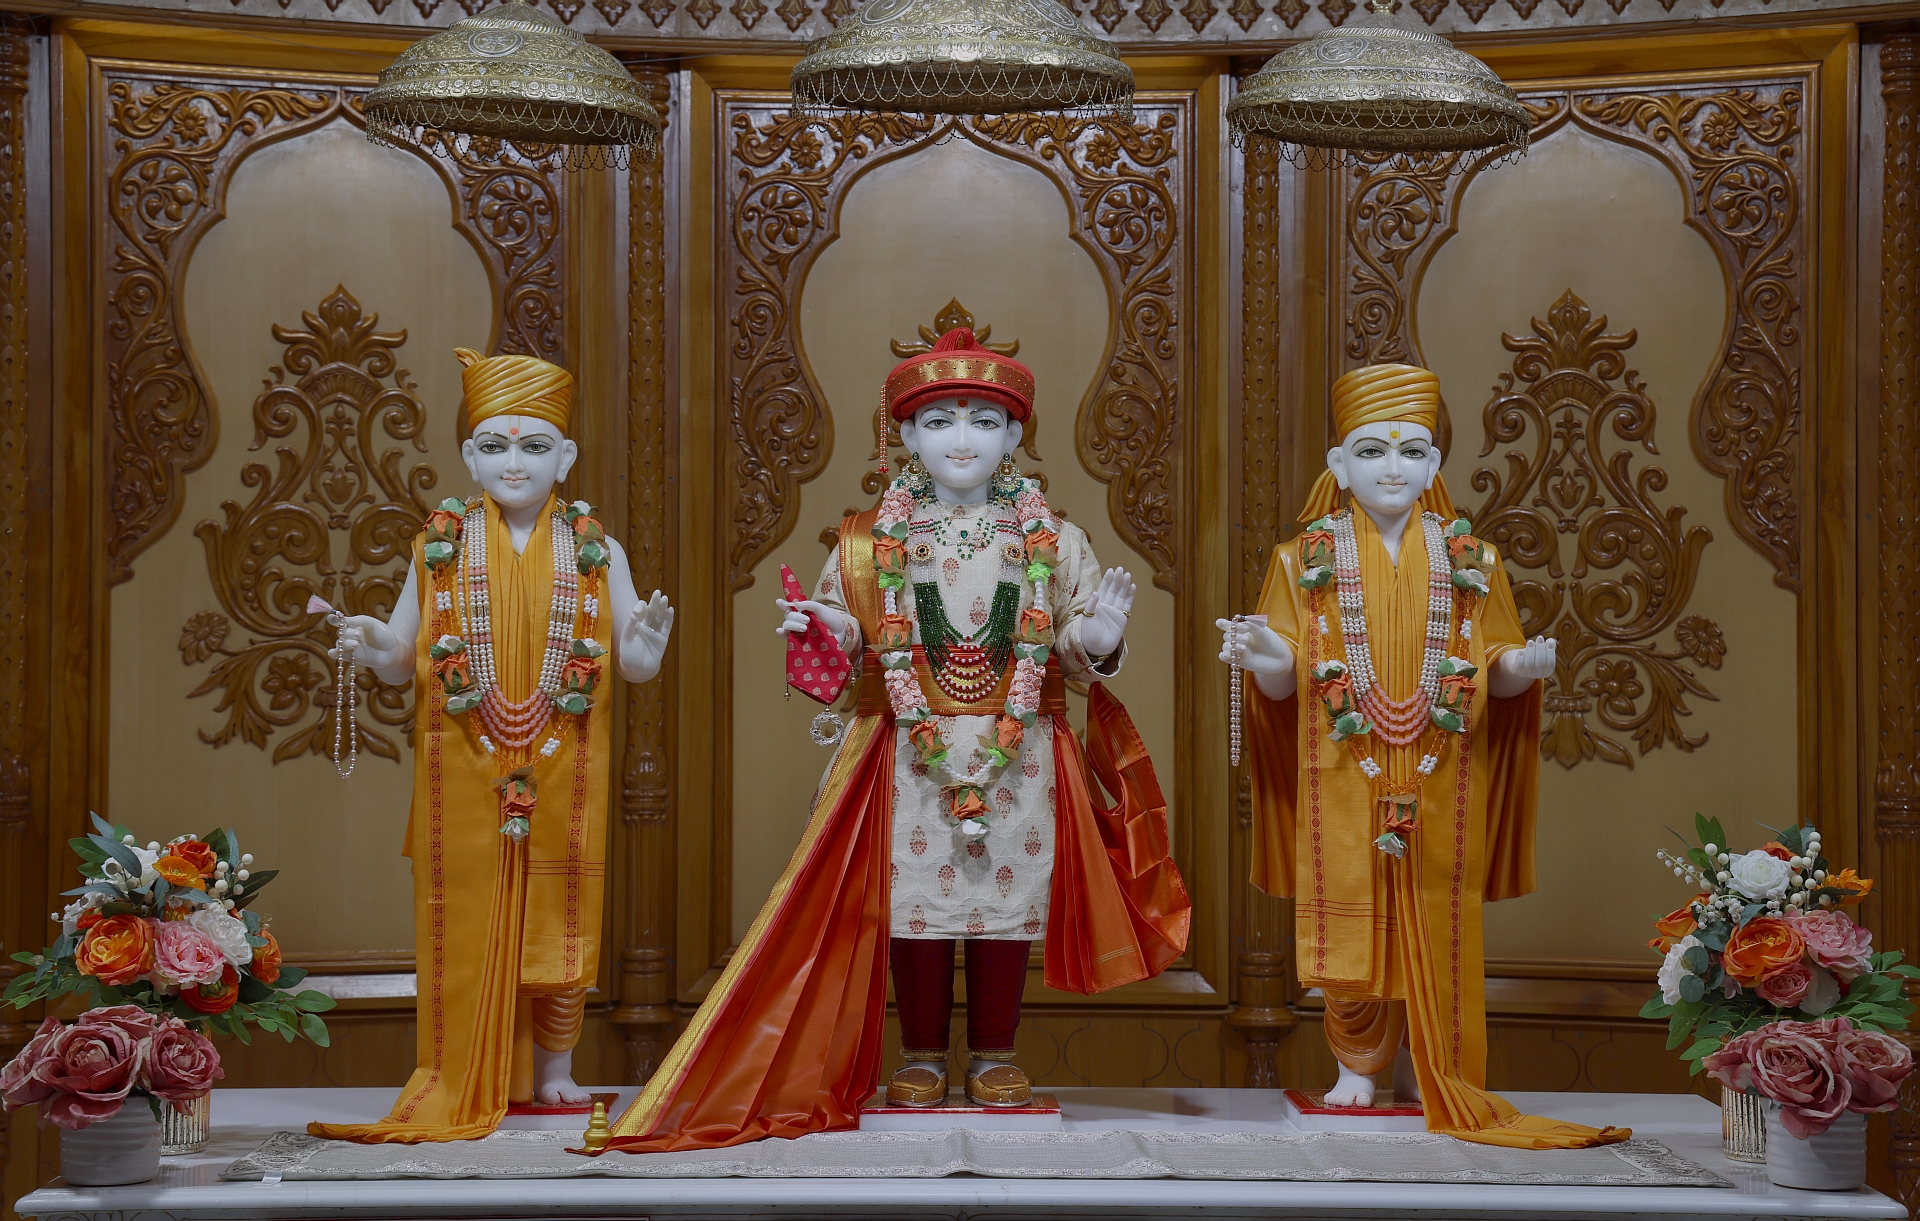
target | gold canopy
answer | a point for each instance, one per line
(963, 57)
(1377, 86)
(512, 74)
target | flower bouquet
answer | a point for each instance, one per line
(84, 1073)
(169, 930)
(1816, 1071)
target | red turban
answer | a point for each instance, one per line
(958, 367)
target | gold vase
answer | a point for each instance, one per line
(189, 1133)
(1743, 1126)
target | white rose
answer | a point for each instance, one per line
(1671, 972)
(227, 932)
(70, 918)
(1759, 875)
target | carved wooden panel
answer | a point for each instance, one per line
(335, 516)
(167, 148)
(783, 182)
(1738, 150)
(1570, 397)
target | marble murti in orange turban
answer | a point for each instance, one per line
(1381, 394)
(514, 385)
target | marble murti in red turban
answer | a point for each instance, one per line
(958, 367)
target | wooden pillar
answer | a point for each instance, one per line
(1896, 788)
(644, 1011)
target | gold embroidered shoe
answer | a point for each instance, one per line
(920, 1082)
(1003, 1085)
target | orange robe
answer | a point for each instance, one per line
(1372, 927)
(788, 1041)
(495, 919)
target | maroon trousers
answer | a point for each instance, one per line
(923, 990)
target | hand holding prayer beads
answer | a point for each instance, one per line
(1247, 641)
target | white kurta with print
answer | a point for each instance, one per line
(999, 887)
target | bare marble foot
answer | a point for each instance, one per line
(1406, 1082)
(553, 1080)
(1352, 1090)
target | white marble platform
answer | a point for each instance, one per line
(190, 1187)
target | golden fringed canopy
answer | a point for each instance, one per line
(963, 57)
(512, 75)
(1377, 86)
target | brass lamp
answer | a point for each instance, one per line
(512, 77)
(1378, 87)
(963, 57)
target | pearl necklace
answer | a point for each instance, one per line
(516, 724)
(1399, 722)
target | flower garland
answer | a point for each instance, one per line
(966, 795)
(462, 651)
(1459, 572)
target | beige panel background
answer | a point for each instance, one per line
(320, 210)
(949, 221)
(1605, 221)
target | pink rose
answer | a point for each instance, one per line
(1836, 943)
(130, 1018)
(1787, 986)
(91, 1067)
(184, 956)
(1793, 1064)
(182, 1064)
(1874, 1064)
(19, 1085)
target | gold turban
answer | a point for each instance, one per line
(1381, 394)
(514, 385)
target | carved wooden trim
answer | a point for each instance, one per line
(1568, 394)
(168, 149)
(783, 185)
(169, 145)
(644, 986)
(331, 487)
(1739, 152)
(1896, 783)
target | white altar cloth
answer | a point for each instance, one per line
(242, 1119)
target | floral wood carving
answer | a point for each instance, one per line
(785, 180)
(1568, 392)
(1738, 150)
(168, 149)
(338, 511)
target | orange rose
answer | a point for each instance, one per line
(1036, 626)
(1848, 880)
(179, 871)
(1777, 850)
(896, 633)
(200, 855)
(1316, 548)
(1675, 925)
(587, 529)
(1763, 947)
(117, 950)
(965, 802)
(442, 526)
(925, 736)
(1460, 544)
(1456, 692)
(889, 554)
(453, 673)
(1008, 734)
(266, 959)
(580, 674)
(1043, 546)
(1338, 693)
(213, 998)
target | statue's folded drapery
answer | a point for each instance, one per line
(1372, 926)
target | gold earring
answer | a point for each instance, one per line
(1007, 469)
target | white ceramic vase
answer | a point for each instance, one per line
(1835, 1160)
(123, 1149)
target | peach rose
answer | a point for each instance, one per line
(1008, 734)
(116, 951)
(178, 871)
(1316, 548)
(443, 526)
(1338, 693)
(453, 673)
(200, 855)
(896, 633)
(965, 802)
(1043, 546)
(1675, 925)
(580, 674)
(889, 554)
(1456, 692)
(1036, 626)
(925, 736)
(266, 959)
(1763, 947)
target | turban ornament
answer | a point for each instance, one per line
(1381, 394)
(958, 367)
(514, 385)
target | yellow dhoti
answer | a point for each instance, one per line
(497, 920)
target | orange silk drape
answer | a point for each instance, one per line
(1368, 924)
(788, 1041)
(494, 919)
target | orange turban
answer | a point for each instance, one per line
(514, 385)
(1381, 394)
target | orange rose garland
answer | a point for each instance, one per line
(116, 951)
